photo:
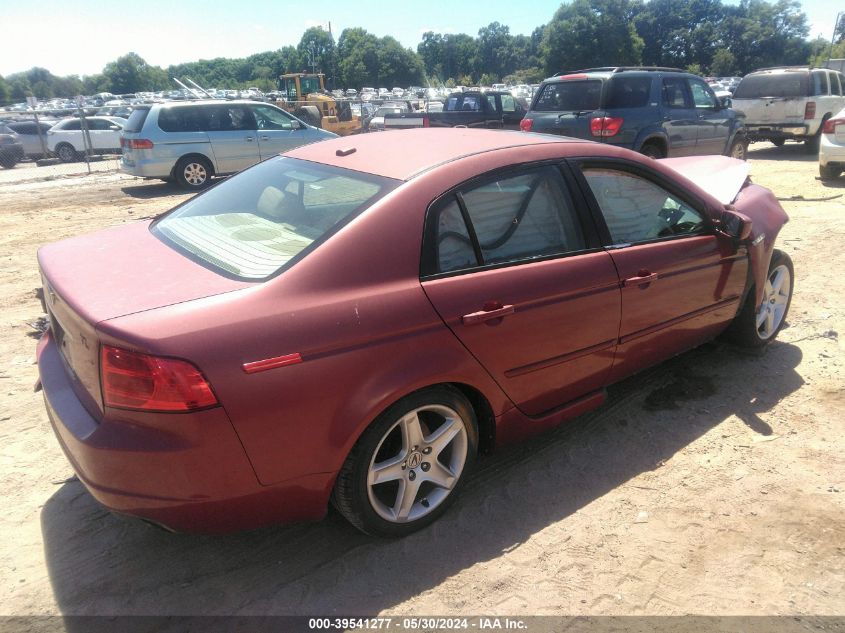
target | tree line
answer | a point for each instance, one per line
(703, 36)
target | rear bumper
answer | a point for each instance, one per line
(831, 151)
(777, 131)
(187, 472)
(146, 168)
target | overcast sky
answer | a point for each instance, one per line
(81, 37)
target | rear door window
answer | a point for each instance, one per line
(569, 96)
(70, 126)
(228, 118)
(675, 93)
(628, 92)
(512, 218)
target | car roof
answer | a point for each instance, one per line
(403, 154)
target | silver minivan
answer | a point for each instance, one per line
(191, 141)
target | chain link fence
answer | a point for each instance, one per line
(57, 144)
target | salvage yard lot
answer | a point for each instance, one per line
(712, 484)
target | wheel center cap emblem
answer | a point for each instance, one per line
(415, 459)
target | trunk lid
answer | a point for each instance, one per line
(108, 274)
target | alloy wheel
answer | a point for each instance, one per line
(775, 301)
(195, 174)
(417, 463)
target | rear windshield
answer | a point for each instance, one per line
(569, 96)
(136, 120)
(774, 85)
(266, 218)
(628, 92)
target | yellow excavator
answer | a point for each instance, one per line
(305, 97)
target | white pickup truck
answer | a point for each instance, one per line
(790, 103)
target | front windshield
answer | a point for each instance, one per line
(259, 222)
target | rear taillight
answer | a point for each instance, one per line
(136, 143)
(810, 110)
(830, 125)
(606, 125)
(526, 124)
(132, 380)
(426, 122)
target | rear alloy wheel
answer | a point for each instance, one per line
(757, 326)
(193, 173)
(407, 467)
(67, 153)
(739, 149)
(652, 150)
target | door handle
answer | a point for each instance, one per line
(487, 315)
(250, 139)
(265, 138)
(644, 277)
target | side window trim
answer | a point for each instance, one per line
(476, 245)
(634, 169)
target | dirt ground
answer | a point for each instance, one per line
(713, 484)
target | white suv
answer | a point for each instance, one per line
(65, 138)
(791, 103)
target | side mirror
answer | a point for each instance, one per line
(725, 102)
(734, 224)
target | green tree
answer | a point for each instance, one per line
(317, 49)
(130, 73)
(724, 63)
(590, 33)
(762, 34)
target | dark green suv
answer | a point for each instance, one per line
(657, 111)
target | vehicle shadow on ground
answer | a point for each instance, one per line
(104, 565)
(789, 151)
(158, 189)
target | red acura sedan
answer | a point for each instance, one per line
(354, 321)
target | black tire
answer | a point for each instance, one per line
(739, 148)
(829, 172)
(310, 114)
(7, 162)
(812, 144)
(652, 150)
(193, 173)
(778, 142)
(66, 153)
(744, 330)
(366, 506)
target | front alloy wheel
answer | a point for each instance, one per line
(757, 326)
(776, 297)
(406, 468)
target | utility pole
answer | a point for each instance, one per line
(833, 37)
